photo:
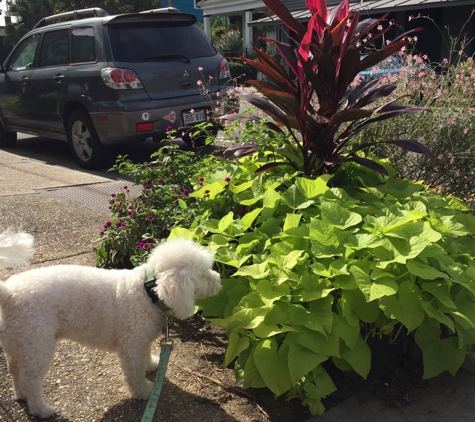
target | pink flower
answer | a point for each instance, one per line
(199, 82)
(458, 172)
(192, 110)
(200, 69)
(465, 131)
(445, 61)
(440, 156)
(451, 121)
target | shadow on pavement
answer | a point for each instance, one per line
(56, 153)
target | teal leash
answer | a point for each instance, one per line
(166, 348)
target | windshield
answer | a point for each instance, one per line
(134, 42)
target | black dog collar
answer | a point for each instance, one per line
(149, 284)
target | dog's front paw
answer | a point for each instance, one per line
(143, 393)
(152, 364)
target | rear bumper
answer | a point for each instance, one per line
(116, 125)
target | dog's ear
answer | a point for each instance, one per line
(176, 288)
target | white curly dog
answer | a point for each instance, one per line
(102, 309)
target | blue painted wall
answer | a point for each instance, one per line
(186, 6)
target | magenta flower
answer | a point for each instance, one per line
(202, 179)
(125, 187)
(113, 195)
(227, 179)
(186, 192)
(108, 223)
(129, 212)
(169, 128)
(101, 233)
(150, 216)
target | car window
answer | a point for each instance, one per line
(133, 42)
(23, 56)
(55, 48)
(83, 49)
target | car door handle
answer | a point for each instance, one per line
(24, 80)
(58, 78)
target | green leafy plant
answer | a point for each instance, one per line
(311, 272)
(324, 58)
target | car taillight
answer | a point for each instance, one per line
(224, 72)
(120, 78)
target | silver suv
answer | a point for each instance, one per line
(96, 80)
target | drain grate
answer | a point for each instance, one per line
(94, 196)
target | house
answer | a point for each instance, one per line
(188, 6)
(451, 14)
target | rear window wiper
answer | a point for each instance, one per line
(167, 56)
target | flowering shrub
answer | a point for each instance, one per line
(138, 223)
(447, 131)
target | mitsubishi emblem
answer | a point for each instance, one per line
(186, 73)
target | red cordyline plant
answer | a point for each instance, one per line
(323, 59)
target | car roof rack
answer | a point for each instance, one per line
(74, 15)
(162, 10)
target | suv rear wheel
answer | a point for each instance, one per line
(7, 139)
(84, 143)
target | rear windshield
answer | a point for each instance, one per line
(134, 42)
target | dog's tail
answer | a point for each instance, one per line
(16, 248)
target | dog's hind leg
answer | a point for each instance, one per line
(133, 367)
(14, 366)
(151, 361)
(36, 361)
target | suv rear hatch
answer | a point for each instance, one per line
(170, 54)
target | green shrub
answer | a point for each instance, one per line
(311, 272)
(229, 43)
(241, 73)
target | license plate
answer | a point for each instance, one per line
(196, 117)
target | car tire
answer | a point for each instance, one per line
(7, 139)
(84, 142)
(197, 141)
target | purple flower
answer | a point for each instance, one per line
(169, 128)
(113, 195)
(180, 196)
(150, 167)
(186, 192)
(125, 187)
(160, 180)
(150, 216)
(129, 212)
(175, 187)
(202, 179)
(108, 223)
(228, 179)
(101, 233)
(120, 224)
